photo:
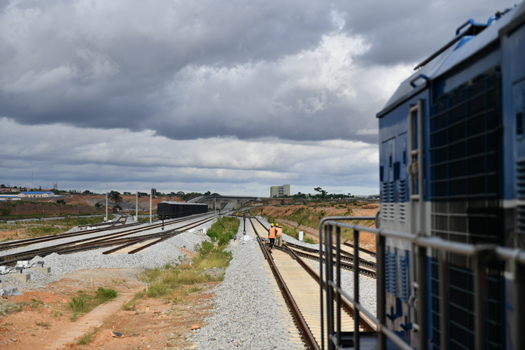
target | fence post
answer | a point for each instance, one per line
(321, 281)
(443, 302)
(329, 289)
(519, 305)
(356, 289)
(338, 276)
(422, 296)
(479, 301)
(381, 286)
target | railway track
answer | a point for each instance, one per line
(367, 263)
(30, 241)
(347, 261)
(121, 239)
(299, 285)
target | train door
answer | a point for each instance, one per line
(416, 210)
(415, 168)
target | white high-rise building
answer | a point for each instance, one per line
(279, 191)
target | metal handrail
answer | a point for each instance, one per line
(481, 253)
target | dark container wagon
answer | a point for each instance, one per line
(170, 210)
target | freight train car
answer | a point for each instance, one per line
(169, 210)
(452, 182)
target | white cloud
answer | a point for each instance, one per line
(93, 156)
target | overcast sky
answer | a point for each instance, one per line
(227, 96)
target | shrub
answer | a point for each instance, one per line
(78, 304)
(104, 294)
(6, 211)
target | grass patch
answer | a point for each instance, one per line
(79, 304)
(104, 294)
(47, 228)
(223, 230)
(206, 266)
(85, 340)
(84, 302)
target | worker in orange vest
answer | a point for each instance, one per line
(279, 235)
(271, 235)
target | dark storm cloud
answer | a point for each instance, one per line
(411, 30)
(295, 70)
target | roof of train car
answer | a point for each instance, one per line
(185, 203)
(453, 56)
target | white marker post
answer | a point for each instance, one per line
(106, 206)
(301, 235)
(150, 201)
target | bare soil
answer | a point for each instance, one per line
(44, 319)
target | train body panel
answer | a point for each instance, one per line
(452, 165)
(169, 210)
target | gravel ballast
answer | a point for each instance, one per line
(246, 314)
(100, 234)
(156, 255)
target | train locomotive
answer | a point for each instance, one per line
(452, 165)
(170, 210)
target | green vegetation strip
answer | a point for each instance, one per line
(84, 302)
(45, 228)
(208, 265)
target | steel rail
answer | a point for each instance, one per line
(87, 243)
(162, 237)
(362, 249)
(368, 326)
(347, 255)
(347, 266)
(36, 240)
(304, 329)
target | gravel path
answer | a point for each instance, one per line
(246, 314)
(156, 255)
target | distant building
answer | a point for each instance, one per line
(9, 197)
(279, 191)
(9, 190)
(35, 194)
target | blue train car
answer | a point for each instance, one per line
(452, 165)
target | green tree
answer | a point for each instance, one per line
(115, 197)
(322, 192)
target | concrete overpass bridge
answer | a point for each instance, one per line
(217, 201)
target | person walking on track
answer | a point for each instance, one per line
(279, 235)
(271, 235)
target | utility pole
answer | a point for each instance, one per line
(150, 201)
(137, 207)
(106, 206)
